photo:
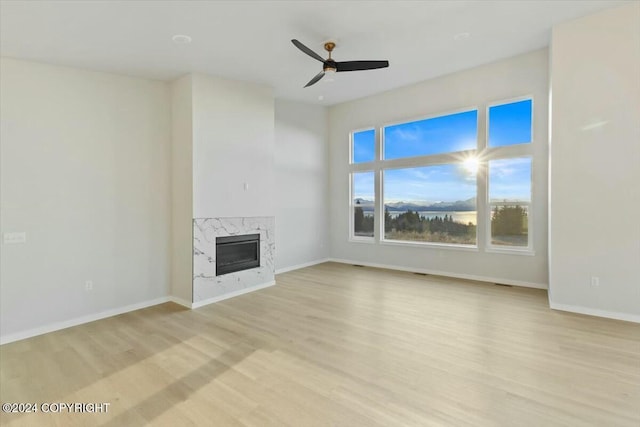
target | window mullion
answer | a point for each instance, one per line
(378, 167)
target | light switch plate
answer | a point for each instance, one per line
(15, 237)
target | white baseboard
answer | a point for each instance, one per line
(232, 294)
(6, 339)
(299, 266)
(80, 320)
(180, 301)
(445, 274)
(595, 312)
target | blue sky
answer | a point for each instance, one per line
(455, 132)
(429, 184)
(363, 185)
(363, 146)
(509, 179)
(510, 124)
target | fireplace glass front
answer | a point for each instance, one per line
(237, 253)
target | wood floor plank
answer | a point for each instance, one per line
(338, 345)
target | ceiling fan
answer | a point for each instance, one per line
(331, 66)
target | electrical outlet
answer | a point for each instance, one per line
(88, 286)
(15, 237)
(595, 281)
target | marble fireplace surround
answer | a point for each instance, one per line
(209, 288)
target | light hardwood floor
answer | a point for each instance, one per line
(338, 345)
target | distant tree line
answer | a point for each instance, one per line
(414, 222)
(505, 220)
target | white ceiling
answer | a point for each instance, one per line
(250, 40)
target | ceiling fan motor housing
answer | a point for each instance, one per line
(329, 66)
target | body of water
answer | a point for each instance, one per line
(464, 217)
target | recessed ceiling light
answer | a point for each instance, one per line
(461, 36)
(320, 98)
(181, 39)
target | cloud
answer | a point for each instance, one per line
(405, 133)
(441, 182)
(508, 168)
(363, 184)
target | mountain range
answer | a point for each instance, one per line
(458, 205)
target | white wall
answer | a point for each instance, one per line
(519, 76)
(233, 144)
(223, 150)
(595, 164)
(85, 173)
(302, 183)
(182, 190)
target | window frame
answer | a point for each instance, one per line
(381, 128)
(506, 101)
(489, 245)
(426, 160)
(351, 148)
(352, 233)
(482, 151)
(441, 162)
(502, 152)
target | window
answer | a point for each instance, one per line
(509, 178)
(509, 201)
(363, 146)
(444, 134)
(431, 204)
(510, 123)
(363, 204)
(433, 198)
(420, 184)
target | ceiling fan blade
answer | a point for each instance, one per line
(360, 65)
(315, 79)
(307, 50)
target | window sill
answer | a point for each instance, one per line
(369, 240)
(510, 251)
(448, 246)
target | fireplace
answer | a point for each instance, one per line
(210, 281)
(237, 253)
